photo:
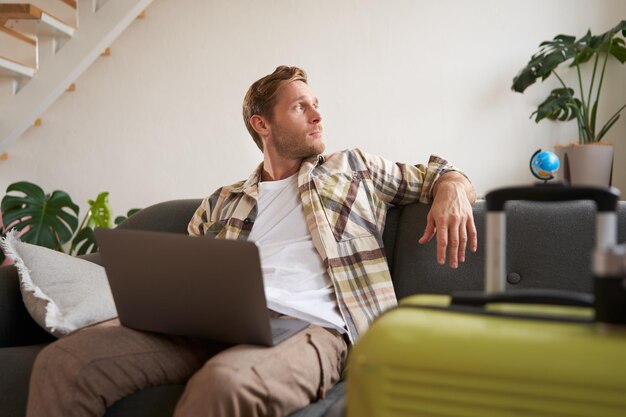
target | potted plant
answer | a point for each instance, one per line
(51, 220)
(581, 163)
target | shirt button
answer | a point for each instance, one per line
(247, 220)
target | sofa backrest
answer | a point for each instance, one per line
(169, 216)
(549, 245)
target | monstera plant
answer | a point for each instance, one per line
(51, 220)
(563, 103)
(581, 163)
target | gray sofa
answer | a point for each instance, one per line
(548, 246)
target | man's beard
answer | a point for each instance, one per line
(293, 146)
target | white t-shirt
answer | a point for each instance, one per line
(296, 283)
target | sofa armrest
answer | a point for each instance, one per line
(17, 328)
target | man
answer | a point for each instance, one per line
(318, 221)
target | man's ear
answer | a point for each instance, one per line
(260, 125)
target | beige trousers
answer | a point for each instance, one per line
(82, 374)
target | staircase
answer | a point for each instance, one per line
(45, 46)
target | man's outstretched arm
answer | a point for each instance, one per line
(451, 218)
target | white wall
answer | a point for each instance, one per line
(160, 119)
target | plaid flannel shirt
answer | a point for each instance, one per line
(345, 196)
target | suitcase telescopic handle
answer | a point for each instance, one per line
(549, 297)
(605, 198)
(495, 260)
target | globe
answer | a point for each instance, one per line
(544, 164)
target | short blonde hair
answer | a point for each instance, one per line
(261, 96)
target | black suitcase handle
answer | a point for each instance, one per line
(550, 297)
(606, 198)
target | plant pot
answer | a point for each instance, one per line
(589, 164)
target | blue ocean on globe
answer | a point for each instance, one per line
(544, 165)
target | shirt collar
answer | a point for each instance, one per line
(251, 185)
(308, 165)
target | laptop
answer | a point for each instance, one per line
(191, 286)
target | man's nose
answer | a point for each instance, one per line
(317, 116)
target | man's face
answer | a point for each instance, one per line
(296, 129)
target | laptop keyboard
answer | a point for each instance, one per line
(278, 331)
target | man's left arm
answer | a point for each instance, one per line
(451, 218)
(438, 183)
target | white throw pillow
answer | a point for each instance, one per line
(62, 293)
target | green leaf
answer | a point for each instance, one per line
(560, 105)
(51, 219)
(584, 56)
(100, 212)
(607, 126)
(2, 255)
(585, 47)
(564, 47)
(99, 215)
(84, 242)
(618, 50)
(551, 54)
(620, 26)
(120, 219)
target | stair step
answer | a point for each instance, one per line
(64, 11)
(12, 68)
(71, 3)
(18, 35)
(30, 19)
(99, 27)
(18, 48)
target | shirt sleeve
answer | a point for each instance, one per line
(400, 184)
(196, 224)
(201, 219)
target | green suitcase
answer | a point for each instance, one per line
(495, 354)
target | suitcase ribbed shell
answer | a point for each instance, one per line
(425, 362)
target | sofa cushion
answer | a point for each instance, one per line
(17, 327)
(62, 293)
(160, 402)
